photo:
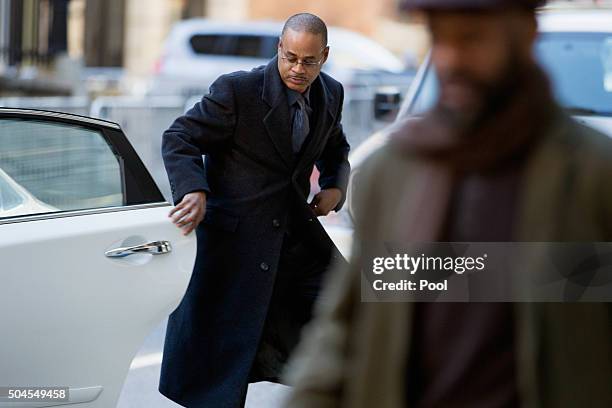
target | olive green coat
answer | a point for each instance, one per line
(353, 354)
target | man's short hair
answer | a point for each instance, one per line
(306, 22)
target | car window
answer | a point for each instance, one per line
(579, 66)
(208, 44)
(52, 166)
(235, 45)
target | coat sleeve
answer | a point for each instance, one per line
(333, 164)
(205, 128)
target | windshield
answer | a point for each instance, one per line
(579, 66)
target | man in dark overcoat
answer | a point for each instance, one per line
(261, 250)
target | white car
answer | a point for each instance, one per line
(90, 263)
(197, 51)
(575, 49)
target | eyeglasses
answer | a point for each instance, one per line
(293, 61)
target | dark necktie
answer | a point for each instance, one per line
(301, 125)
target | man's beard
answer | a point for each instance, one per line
(493, 97)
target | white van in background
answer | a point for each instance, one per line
(197, 51)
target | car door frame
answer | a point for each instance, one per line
(138, 187)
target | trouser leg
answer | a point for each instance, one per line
(299, 278)
(296, 288)
(243, 397)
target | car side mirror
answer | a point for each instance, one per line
(387, 102)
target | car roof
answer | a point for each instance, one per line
(203, 25)
(575, 19)
(262, 27)
(37, 113)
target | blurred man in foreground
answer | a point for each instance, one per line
(495, 161)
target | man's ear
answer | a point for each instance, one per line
(325, 54)
(280, 44)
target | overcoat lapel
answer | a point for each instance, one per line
(277, 121)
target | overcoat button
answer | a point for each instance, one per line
(264, 266)
(276, 223)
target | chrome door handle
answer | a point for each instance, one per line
(155, 248)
